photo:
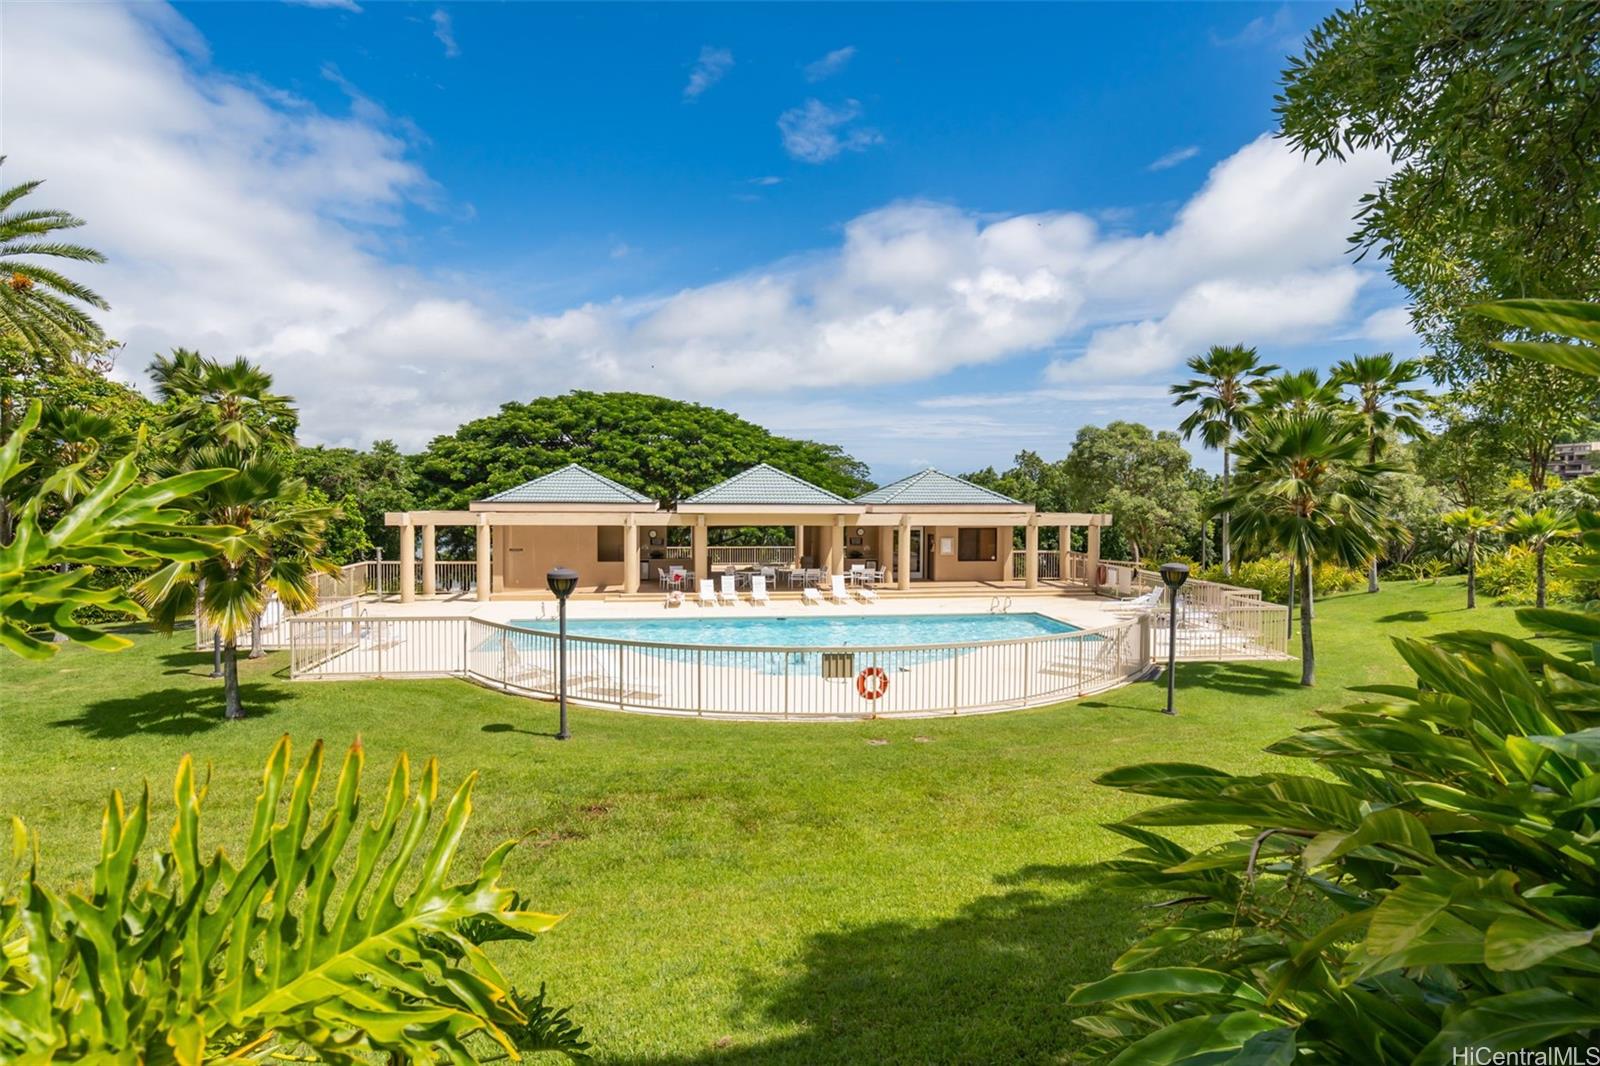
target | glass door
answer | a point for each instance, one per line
(916, 553)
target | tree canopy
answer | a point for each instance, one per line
(666, 449)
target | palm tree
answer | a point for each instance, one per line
(210, 401)
(1306, 488)
(39, 304)
(1297, 390)
(1220, 392)
(1386, 404)
(276, 551)
(1537, 530)
(1468, 524)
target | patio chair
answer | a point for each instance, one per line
(730, 589)
(758, 591)
(708, 595)
(836, 590)
(867, 593)
(1147, 601)
(858, 571)
(809, 594)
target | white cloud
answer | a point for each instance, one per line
(445, 32)
(766, 180)
(707, 71)
(1174, 157)
(830, 64)
(816, 133)
(1276, 31)
(344, 5)
(245, 220)
(1392, 325)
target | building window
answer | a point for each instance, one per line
(610, 544)
(976, 545)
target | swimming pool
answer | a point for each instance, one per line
(813, 631)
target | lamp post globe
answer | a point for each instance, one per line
(1173, 575)
(562, 581)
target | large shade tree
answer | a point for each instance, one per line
(1305, 487)
(666, 449)
(1384, 393)
(1492, 115)
(1220, 393)
(1142, 478)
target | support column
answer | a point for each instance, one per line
(483, 558)
(408, 561)
(885, 547)
(630, 555)
(836, 555)
(799, 545)
(1091, 559)
(1030, 546)
(902, 565)
(700, 571)
(430, 556)
(1063, 550)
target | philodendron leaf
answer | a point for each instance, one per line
(1275, 1047)
(1519, 942)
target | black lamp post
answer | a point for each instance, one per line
(562, 581)
(1173, 575)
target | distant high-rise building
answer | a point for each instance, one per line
(1579, 459)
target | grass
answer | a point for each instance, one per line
(907, 891)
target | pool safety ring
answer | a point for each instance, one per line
(872, 683)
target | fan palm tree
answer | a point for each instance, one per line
(1387, 405)
(210, 401)
(1537, 530)
(1304, 487)
(39, 304)
(1297, 390)
(1468, 524)
(277, 550)
(1220, 393)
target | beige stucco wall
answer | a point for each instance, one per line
(522, 555)
(951, 568)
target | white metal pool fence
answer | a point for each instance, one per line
(341, 641)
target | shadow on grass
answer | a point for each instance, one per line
(178, 712)
(988, 984)
(1406, 616)
(507, 727)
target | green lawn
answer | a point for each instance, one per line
(911, 891)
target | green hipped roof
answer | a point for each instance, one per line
(932, 486)
(571, 484)
(764, 484)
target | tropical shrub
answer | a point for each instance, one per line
(1510, 575)
(1419, 570)
(1434, 886)
(341, 936)
(1271, 576)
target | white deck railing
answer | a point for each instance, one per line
(691, 679)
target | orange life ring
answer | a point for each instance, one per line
(1100, 575)
(872, 683)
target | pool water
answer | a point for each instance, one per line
(811, 631)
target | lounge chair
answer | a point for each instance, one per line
(867, 593)
(1146, 601)
(730, 589)
(809, 594)
(708, 595)
(836, 590)
(758, 591)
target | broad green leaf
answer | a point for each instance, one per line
(1195, 1037)
(1517, 1020)
(1170, 981)
(1518, 942)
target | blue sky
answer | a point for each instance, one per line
(935, 234)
